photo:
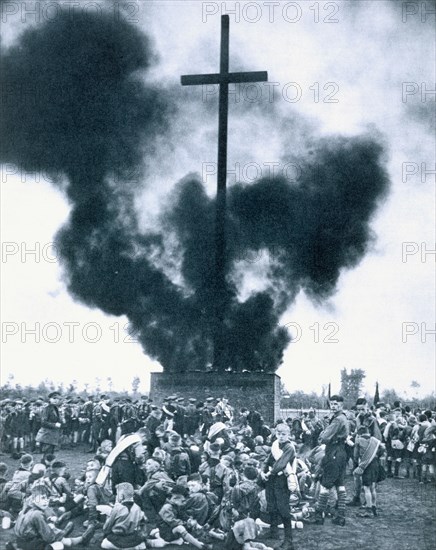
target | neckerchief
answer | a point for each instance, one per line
(285, 461)
(386, 430)
(370, 452)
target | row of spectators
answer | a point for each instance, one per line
(202, 474)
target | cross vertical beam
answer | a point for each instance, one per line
(223, 78)
(221, 198)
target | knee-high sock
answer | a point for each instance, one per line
(389, 466)
(287, 525)
(342, 499)
(357, 487)
(368, 497)
(374, 494)
(322, 501)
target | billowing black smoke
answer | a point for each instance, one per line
(93, 120)
(311, 230)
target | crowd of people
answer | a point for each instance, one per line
(198, 473)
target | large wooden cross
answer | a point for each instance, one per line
(223, 78)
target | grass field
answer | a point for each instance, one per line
(406, 521)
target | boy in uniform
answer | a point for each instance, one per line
(334, 462)
(277, 475)
(171, 527)
(33, 532)
(123, 526)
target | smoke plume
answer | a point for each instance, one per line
(93, 119)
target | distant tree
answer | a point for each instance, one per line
(351, 385)
(283, 391)
(72, 387)
(415, 387)
(10, 381)
(389, 396)
(136, 381)
(42, 389)
(302, 400)
(110, 383)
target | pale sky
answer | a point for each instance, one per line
(379, 319)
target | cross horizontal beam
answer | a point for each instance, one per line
(220, 78)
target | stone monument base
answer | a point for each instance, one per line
(253, 390)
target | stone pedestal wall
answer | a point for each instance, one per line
(255, 391)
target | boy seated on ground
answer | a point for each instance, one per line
(96, 495)
(34, 532)
(3, 481)
(171, 527)
(244, 496)
(38, 471)
(60, 487)
(155, 490)
(261, 450)
(68, 504)
(201, 503)
(242, 536)
(201, 510)
(14, 491)
(48, 460)
(123, 527)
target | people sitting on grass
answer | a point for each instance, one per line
(122, 528)
(217, 486)
(33, 530)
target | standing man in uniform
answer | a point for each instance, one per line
(179, 416)
(335, 461)
(50, 432)
(100, 421)
(129, 419)
(153, 421)
(144, 409)
(207, 415)
(192, 417)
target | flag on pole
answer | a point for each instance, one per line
(376, 395)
